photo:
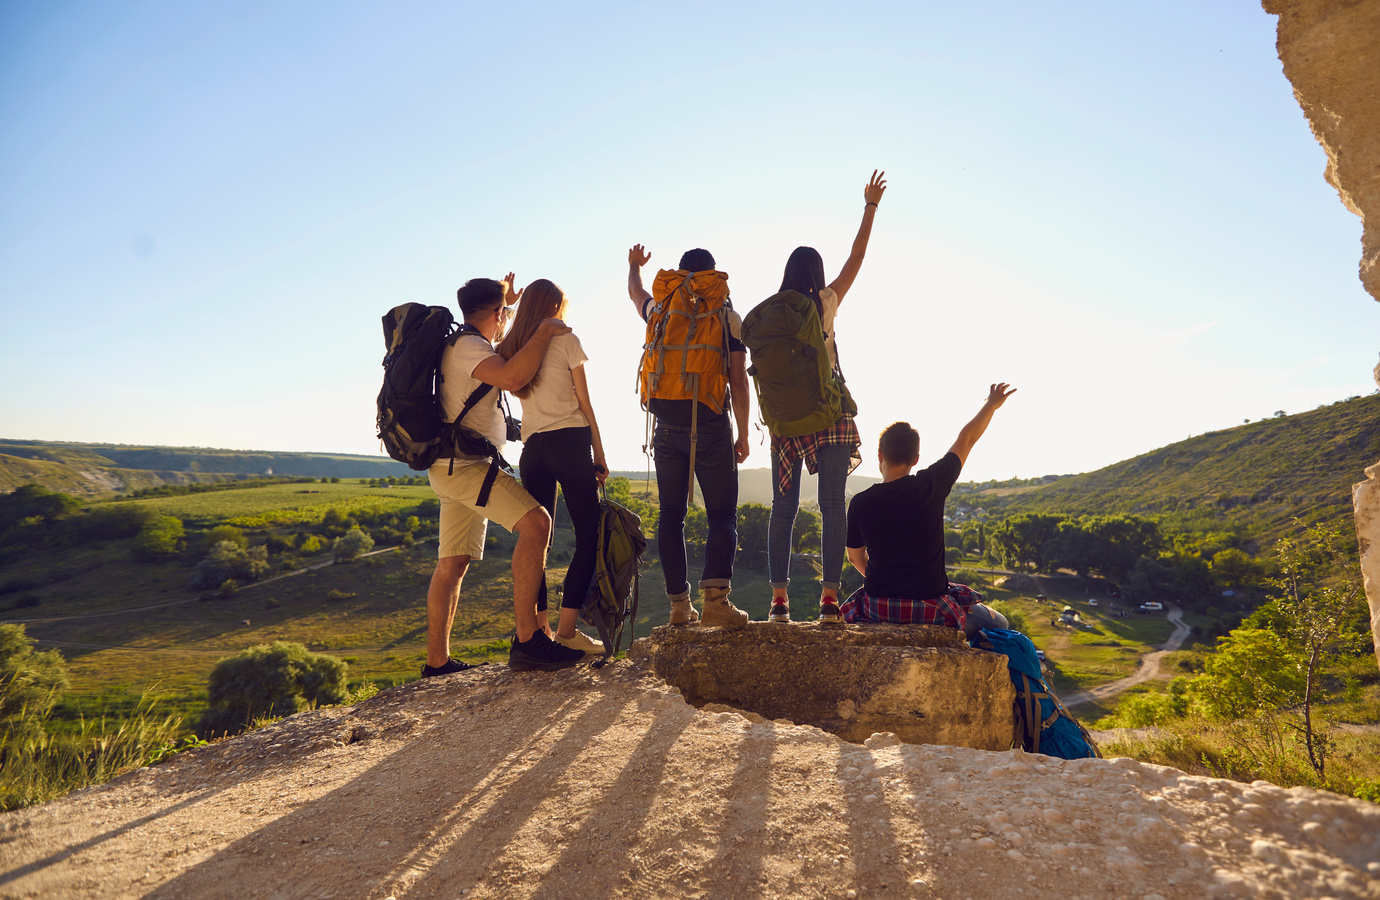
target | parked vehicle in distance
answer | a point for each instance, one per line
(1152, 606)
(1040, 655)
(1092, 601)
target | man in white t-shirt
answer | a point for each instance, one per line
(467, 364)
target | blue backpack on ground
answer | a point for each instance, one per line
(1042, 723)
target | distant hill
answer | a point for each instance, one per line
(1259, 476)
(99, 470)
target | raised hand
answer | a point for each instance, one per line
(997, 394)
(638, 255)
(876, 186)
(510, 296)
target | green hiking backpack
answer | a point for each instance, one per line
(798, 391)
(617, 565)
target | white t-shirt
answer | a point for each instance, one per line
(552, 405)
(458, 363)
(830, 301)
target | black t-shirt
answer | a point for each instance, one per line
(901, 523)
(677, 412)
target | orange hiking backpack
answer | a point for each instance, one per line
(686, 353)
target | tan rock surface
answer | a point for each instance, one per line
(919, 682)
(1331, 55)
(606, 784)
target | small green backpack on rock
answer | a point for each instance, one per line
(798, 391)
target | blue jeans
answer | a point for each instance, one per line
(834, 463)
(716, 469)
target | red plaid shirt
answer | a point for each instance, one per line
(843, 433)
(949, 609)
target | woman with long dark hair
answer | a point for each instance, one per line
(560, 446)
(831, 453)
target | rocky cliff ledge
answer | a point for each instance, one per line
(607, 784)
(919, 682)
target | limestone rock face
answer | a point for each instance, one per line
(1331, 54)
(919, 682)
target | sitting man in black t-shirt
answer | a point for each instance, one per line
(896, 534)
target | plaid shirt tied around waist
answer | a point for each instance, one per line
(843, 433)
(949, 609)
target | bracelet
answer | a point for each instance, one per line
(870, 204)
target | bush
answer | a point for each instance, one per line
(310, 544)
(225, 533)
(30, 683)
(160, 538)
(1015, 619)
(270, 681)
(106, 523)
(967, 577)
(227, 560)
(352, 544)
(952, 555)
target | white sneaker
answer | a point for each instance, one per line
(581, 642)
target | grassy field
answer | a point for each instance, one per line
(284, 504)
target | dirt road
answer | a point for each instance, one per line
(1149, 665)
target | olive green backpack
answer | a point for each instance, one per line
(798, 392)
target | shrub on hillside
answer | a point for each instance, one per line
(969, 577)
(225, 533)
(309, 544)
(106, 523)
(30, 683)
(160, 538)
(352, 544)
(270, 680)
(227, 560)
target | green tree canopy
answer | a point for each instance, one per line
(270, 680)
(30, 683)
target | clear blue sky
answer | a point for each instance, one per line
(206, 208)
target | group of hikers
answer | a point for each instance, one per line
(694, 382)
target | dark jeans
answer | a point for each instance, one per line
(833, 463)
(565, 457)
(716, 469)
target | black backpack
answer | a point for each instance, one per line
(410, 421)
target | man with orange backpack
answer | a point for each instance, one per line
(693, 371)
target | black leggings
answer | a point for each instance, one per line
(565, 457)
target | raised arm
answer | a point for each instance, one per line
(512, 374)
(969, 434)
(637, 258)
(872, 195)
(601, 466)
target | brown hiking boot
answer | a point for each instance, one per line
(718, 611)
(682, 610)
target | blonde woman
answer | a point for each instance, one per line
(560, 446)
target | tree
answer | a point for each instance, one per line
(1151, 579)
(32, 500)
(352, 544)
(228, 560)
(1020, 540)
(1252, 671)
(805, 536)
(225, 533)
(30, 683)
(754, 524)
(1234, 569)
(270, 680)
(1319, 588)
(696, 529)
(160, 538)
